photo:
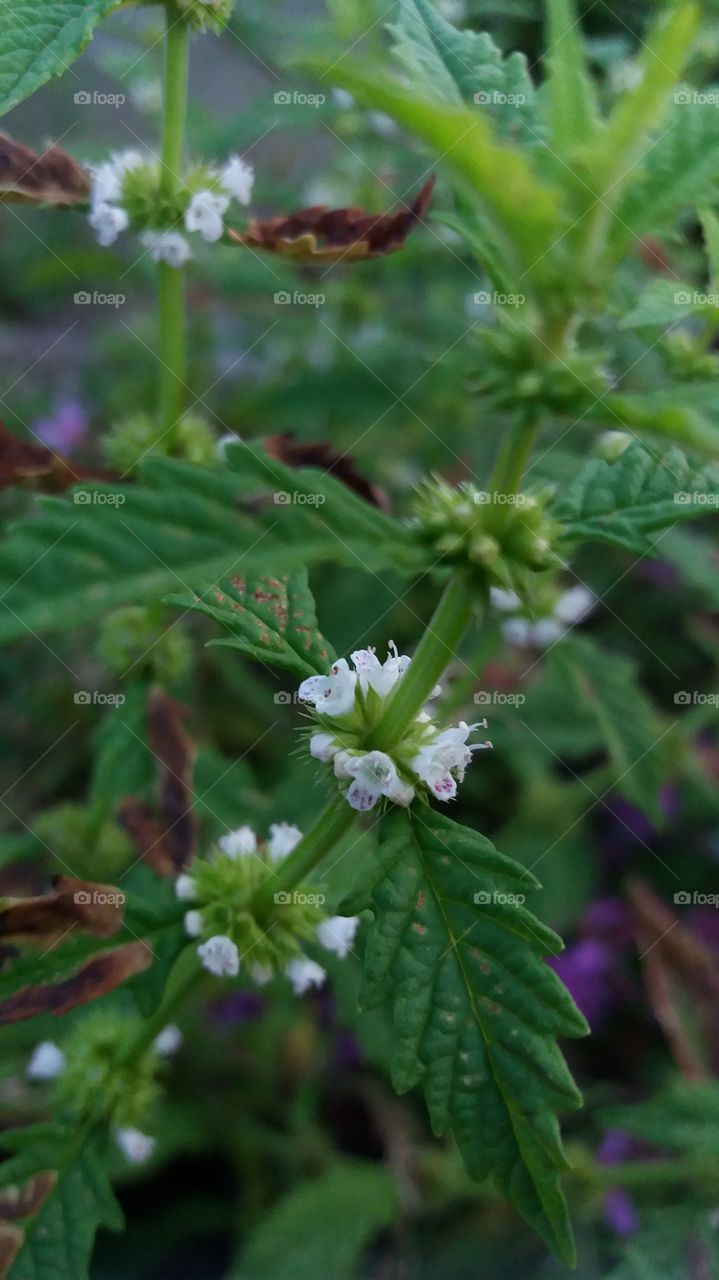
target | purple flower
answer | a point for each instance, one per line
(586, 969)
(65, 428)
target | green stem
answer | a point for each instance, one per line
(171, 280)
(513, 458)
(437, 647)
(334, 821)
(184, 977)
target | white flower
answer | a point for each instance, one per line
(167, 246)
(204, 214)
(443, 760)
(333, 694)
(168, 1041)
(239, 843)
(261, 974)
(304, 973)
(137, 1147)
(324, 747)
(108, 220)
(185, 888)
(504, 600)
(574, 605)
(107, 178)
(47, 1061)
(375, 774)
(193, 923)
(220, 956)
(282, 840)
(337, 934)
(382, 677)
(237, 179)
(523, 632)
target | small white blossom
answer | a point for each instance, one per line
(382, 677)
(220, 956)
(261, 974)
(282, 840)
(337, 934)
(504, 600)
(333, 694)
(374, 774)
(574, 605)
(167, 246)
(47, 1061)
(204, 214)
(108, 220)
(304, 973)
(168, 1041)
(185, 888)
(443, 760)
(137, 1147)
(239, 843)
(193, 923)
(569, 609)
(323, 747)
(237, 179)
(107, 178)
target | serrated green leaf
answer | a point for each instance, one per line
(58, 1239)
(664, 303)
(572, 112)
(123, 764)
(686, 419)
(185, 525)
(476, 1008)
(272, 620)
(39, 39)
(321, 1227)
(626, 501)
(451, 66)
(607, 685)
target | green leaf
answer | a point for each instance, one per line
(320, 1228)
(184, 526)
(607, 684)
(39, 39)
(476, 1008)
(664, 303)
(450, 66)
(272, 620)
(683, 418)
(697, 560)
(684, 1118)
(626, 501)
(572, 112)
(123, 764)
(58, 1238)
(710, 227)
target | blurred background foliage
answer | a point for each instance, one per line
(268, 1095)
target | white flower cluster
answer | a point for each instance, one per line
(570, 608)
(203, 214)
(48, 1061)
(221, 956)
(427, 756)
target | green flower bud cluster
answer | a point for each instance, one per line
(519, 375)
(143, 639)
(132, 439)
(96, 1082)
(505, 539)
(686, 358)
(71, 830)
(205, 15)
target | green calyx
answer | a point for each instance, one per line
(149, 202)
(505, 539)
(96, 1083)
(205, 15)
(521, 375)
(92, 850)
(130, 440)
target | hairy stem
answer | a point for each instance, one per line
(334, 821)
(171, 281)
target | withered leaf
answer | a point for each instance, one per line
(50, 178)
(166, 840)
(11, 1240)
(682, 983)
(322, 235)
(22, 462)
(321, 454)
(96, 977)
(21, 1202)
(96, 909)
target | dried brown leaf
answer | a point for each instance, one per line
(22, 462)
(321, 454)
(167, 840)
(96, 977)
(11, 1240)
(50, 178)
(324, 235)
(21, 1202)
(94, 908)
(682, 983)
